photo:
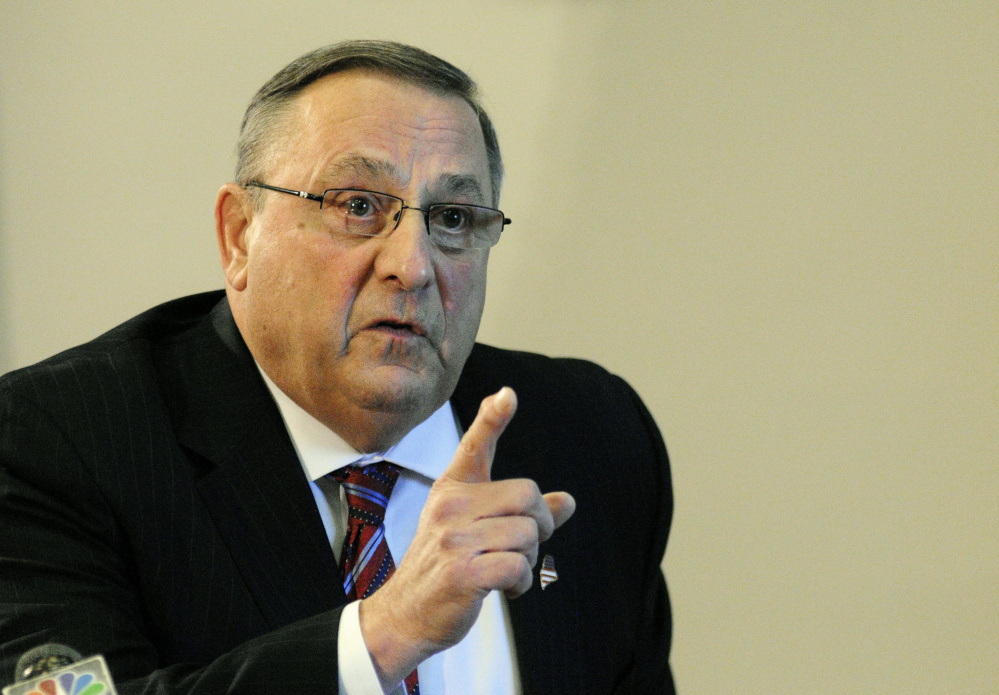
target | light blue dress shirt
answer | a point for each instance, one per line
(484, 662)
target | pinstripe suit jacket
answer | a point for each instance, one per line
(152, 509)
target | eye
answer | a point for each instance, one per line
(360, 206)
(356, 211)
(453, 218)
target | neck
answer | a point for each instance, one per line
(366, 430)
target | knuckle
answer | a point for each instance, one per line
(469, 448)
(436, 509)
(524, 566)
(546, 526)
(525, 493)
(445, 503)
(526, 578)
(455, 574)
(516, 566)
(487, 414)
(528, 531)
(532, 557)
(452, 539)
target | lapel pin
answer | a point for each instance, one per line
(548, 573)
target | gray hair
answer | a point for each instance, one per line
(413, 65)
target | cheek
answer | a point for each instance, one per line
(463, 291)
(302, 282)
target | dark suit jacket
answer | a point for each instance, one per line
(152, 508)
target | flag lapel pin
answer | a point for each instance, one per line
(548, 573)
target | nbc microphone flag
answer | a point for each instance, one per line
(548, 573)
(87, 677)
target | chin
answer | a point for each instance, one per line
(404, 392)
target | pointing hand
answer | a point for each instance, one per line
(474, 535)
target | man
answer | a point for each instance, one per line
(182, 493)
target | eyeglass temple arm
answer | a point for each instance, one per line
(300, 194)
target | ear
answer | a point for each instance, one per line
(233, 214)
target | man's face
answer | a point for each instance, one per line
(364, 332)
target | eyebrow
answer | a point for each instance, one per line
(381, 170)
(459, 184)
(359, 165)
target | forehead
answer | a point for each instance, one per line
(405, 134)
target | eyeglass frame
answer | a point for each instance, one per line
(398, 216)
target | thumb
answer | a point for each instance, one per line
(473, 461)
(562, 506)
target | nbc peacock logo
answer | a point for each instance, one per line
(69, 684)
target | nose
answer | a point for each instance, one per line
(406, 254)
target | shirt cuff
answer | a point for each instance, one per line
(356, 671)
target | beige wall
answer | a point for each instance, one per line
(778, 220)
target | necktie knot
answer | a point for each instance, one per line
(367, 489)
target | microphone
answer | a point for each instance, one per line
(44, 659)
(55, 669)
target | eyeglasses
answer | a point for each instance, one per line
(367, 213)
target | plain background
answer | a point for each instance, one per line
(778, 220)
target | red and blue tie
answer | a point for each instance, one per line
(365, 561)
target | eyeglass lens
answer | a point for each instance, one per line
(450, 225)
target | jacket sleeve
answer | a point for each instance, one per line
(650, 673)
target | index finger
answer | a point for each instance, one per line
(473, 461)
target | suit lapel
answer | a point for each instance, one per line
(253, 485)
(545, 622)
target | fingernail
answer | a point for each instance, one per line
(504, 399)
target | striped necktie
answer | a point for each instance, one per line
(365, 561)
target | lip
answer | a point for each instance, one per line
(397, 327)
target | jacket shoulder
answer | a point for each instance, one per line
(128, 343)
(556, 379)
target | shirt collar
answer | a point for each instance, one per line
(426, 449)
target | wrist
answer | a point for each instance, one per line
(393, 652)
